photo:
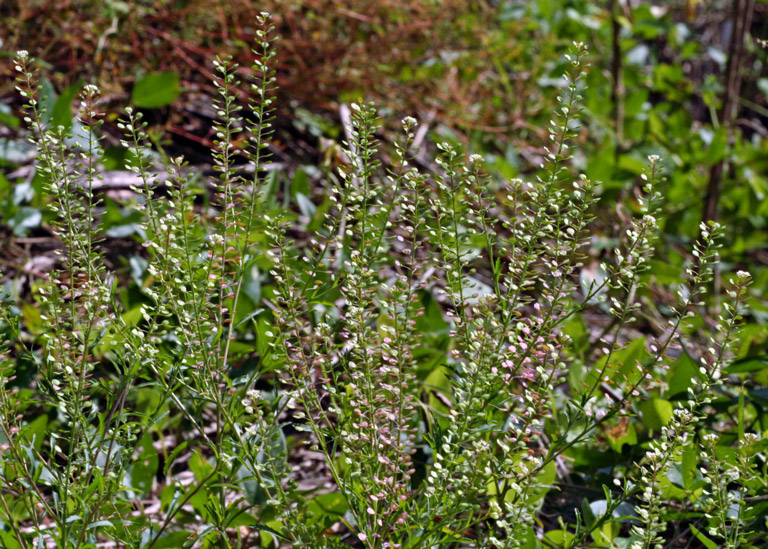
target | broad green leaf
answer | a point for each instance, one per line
(629, 361)
(664, 272)
(526, 538)
(15, 151)
(23, 191)
(300, 184)
(668, 490)
(587, 513)
(61, 114)
(327, 509)
(558, 538)
(656, 412)
(144, 469)
(254, 493)
(717, 147)
(759, 397)
(439, 378)
(544, 480)
(156, 90)
(36, 430)
(681, 374)
(265, 538)
(578, 422)
(604, 535)
(675, 476)
(252, 279)
(240, 348)
(149, 399)
(692, 478)
(635, 101)
(747, 364)
(623, 365)
(265, 337)
(9, 541)
(432, 321)
(199, 501)
(26, 218)
(438, 382)
(174, 454)
(115, 158)
(200, 466)
(306, 206)
(33, 320)
(7, 118)
(138, 269)
(47, 99)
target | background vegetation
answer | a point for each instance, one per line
(682, 80)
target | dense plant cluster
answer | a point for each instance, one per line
(422, 332)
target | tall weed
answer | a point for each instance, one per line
(414, 329)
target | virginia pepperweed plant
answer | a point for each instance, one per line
(414, 330)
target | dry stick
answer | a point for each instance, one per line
(742, 19)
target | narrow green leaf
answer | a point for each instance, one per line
(708, 543)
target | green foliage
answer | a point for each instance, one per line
(156, 90)
(430, 335)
